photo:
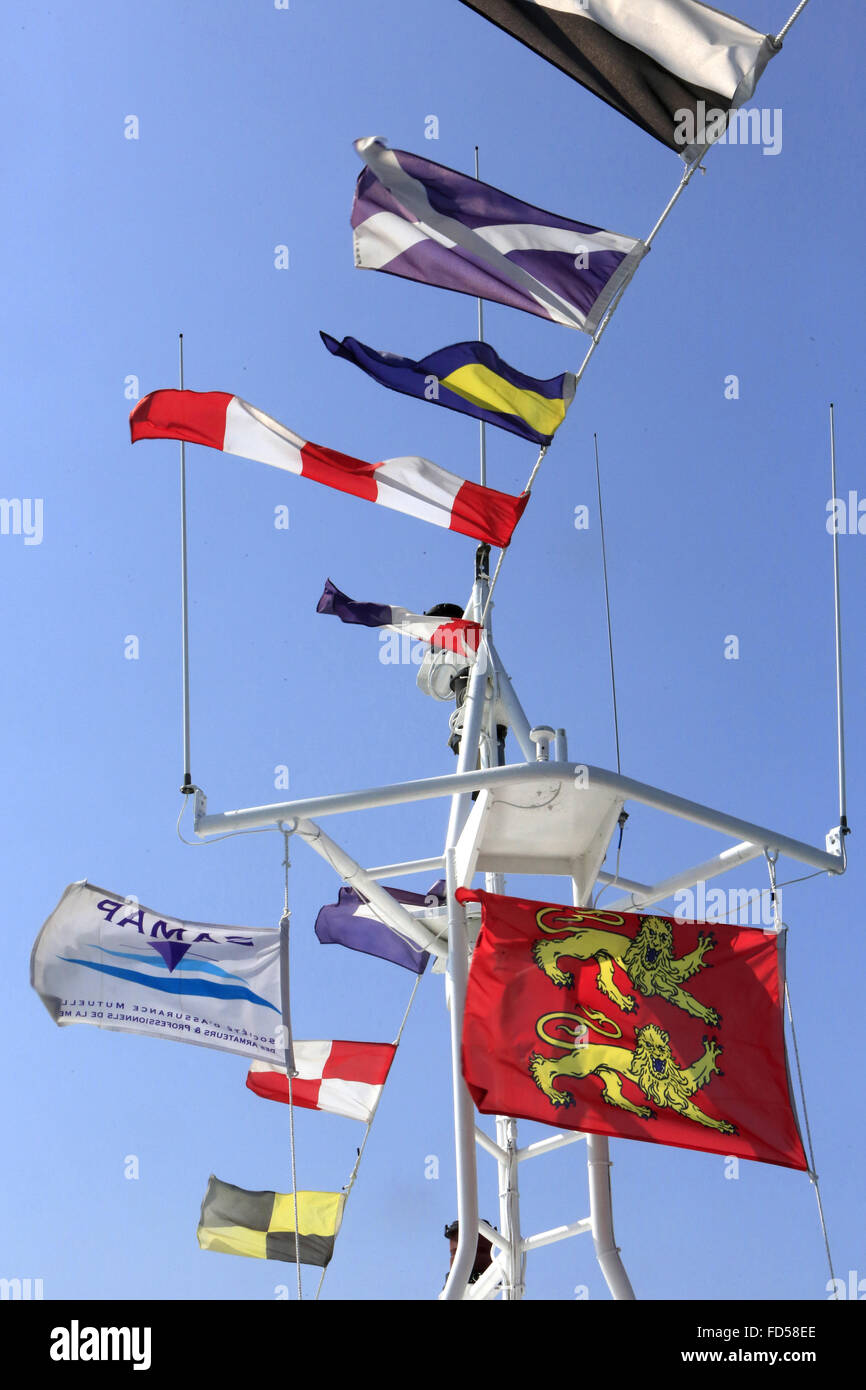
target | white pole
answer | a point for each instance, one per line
(576, 1228)
(457, 974)
(464, 1110)
(412, 866)
(509, 1211)
(392, 913)
(636, 900)
(600, 1202)
(601, 1216)
(514, 1256)
(514, 713)
(399, 793)
(546, 1146)
(470, 738)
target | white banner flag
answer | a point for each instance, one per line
(104, 960)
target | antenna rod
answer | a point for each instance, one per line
(840, 713)
(482, 435)
(607, 606)
(187, 787)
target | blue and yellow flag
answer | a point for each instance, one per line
(471, 378)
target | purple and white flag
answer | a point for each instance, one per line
(352, 922)
(425, 222)
(457, 635)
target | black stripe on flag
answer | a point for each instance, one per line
(624, 76)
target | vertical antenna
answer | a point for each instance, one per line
(482, 555)
(840, 715)
(607, 604)
(482, 436)
(187, 787)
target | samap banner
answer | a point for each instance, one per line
(104, 960)
(631, 1025)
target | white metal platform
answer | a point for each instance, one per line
(543, 825)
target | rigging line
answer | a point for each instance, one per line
(530, 805)
(786, 883)
(294, 1186)
(347, 1187)
(531, 479)
(621, 820)
(212, 840)
(607, 607)
(813, 1175)
(187, 787)
(492, 587)
(528, 488)
(813, 1172)
(289, 1058)
(597, 336)
(354, 1173)
(794, 17)
(396, 1042)
(683, 184)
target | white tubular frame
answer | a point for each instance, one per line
(490, 698)
(457, 976)
(638, 898)
(463, 782)
(600, 1201)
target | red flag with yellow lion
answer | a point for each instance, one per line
(632, 1025)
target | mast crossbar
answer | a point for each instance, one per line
(511, 776)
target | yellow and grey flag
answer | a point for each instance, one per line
(262, 1224)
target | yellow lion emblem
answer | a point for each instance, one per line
(651, 1067)
(648, 959)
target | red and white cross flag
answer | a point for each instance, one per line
(345, 1078)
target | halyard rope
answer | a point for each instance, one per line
(779, 926)
(284, 924)
(347, 1188)
(783, 31)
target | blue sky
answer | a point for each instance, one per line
(715, 511)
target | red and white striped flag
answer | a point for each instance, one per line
(345, 1078)
(411, 485)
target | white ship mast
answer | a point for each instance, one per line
(545, 815)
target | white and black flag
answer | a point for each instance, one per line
(667, 65)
